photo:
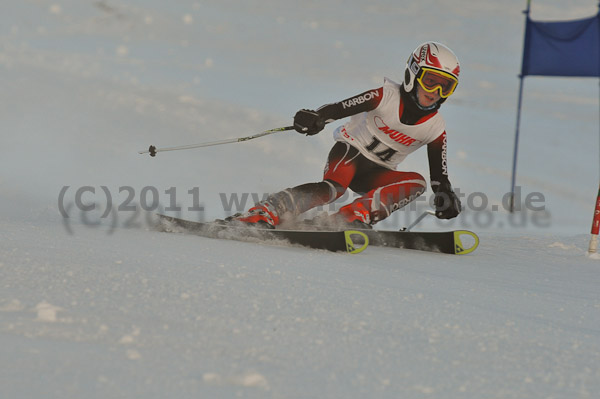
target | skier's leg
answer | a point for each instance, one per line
(291, 202)
(387, 192)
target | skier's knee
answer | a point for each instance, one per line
(336, 190)
(418, 179)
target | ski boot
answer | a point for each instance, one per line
(262, 215)
(354, 215)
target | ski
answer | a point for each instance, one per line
(351, 241)
(457, 242)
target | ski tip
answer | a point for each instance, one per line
(459, 247)
(356, 241)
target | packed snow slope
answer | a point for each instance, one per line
(94, 303)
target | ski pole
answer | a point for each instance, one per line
(152, 150)
(417, 220)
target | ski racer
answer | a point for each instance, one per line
(386, 125)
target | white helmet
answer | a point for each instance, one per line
(435, 67)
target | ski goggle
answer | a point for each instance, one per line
(432, 80)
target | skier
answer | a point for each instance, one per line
(386, 125)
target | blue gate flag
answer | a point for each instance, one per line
(565, 48)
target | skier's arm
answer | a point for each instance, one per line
(363, 102)
(446, 202)
(438, 169)
(312, 122)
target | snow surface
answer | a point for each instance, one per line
(107, 308)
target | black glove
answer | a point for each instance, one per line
(308, 122)
(447, 204)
